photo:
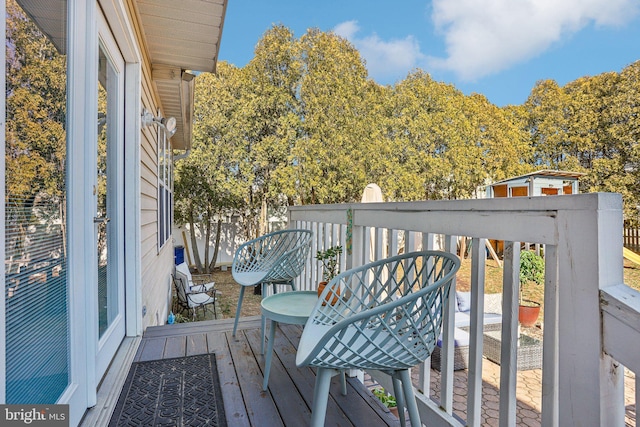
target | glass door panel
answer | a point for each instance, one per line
(37, 358)
(108, 198)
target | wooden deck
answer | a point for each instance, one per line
(240, 367)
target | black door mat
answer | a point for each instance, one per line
(172, 392)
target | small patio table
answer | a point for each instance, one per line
(287, 307)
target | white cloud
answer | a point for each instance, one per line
(486, 36)
(386, 60)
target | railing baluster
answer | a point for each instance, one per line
(474, 396)
(393, 244)
(446, 376)
(509, 339)
(424, 377)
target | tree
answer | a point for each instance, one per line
(208, 186)
(328, 157)
(625, 128)
(270, 121)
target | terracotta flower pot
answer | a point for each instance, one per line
(394, 411)
(528, 314)
(327, 298)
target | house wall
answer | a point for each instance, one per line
(156, 264)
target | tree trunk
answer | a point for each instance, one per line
(194, 242)
(212, 265)
(207, 236)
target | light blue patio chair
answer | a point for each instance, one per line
(386, 315)
(273, 259)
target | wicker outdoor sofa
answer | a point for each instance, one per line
(492, 321)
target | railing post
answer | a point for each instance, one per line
(550, 339)
(589, 258)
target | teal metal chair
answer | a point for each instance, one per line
(386, 315)
(273, 259)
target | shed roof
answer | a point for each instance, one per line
(543, 173)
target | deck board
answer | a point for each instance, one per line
(262, 409)
(197, 344)
(304, 378)
(291, 406)
(234, 405)
(175, 347)
(289, 398)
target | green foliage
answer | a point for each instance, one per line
(531, 271)
(209, 183)
(302, 123)
(330, 259)
(387, 400)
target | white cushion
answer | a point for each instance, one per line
(464, 301)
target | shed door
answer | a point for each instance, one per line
(519, 191)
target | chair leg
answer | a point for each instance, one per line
(321, 397)
(397, 391)
(410, 399)
(235, 323)
(263, 333)
(267, 362)
(343, 381)
(263, 320)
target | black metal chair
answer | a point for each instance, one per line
(192, 297)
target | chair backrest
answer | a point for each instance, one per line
(181, 289)
(383, 315)
(281, 255)
(183, 272)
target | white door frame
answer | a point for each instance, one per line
(81, 127)
(122, 29)
(108, 344)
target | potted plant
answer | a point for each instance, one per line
(387, 400)
(531, 274)
(330, 259)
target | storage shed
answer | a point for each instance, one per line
(540, 183)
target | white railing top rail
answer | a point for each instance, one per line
(583, 238)
(525, 219)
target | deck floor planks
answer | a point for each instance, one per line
(152, 349)
(361, 412)
(234, 405)
(261, 408)
(305, 378)
(197, 344)
(175, 347)
(240, 367)
(292, 407)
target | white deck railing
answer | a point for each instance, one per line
(582, 383)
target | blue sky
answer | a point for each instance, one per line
(498, 48)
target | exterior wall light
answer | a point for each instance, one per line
(168, 124)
